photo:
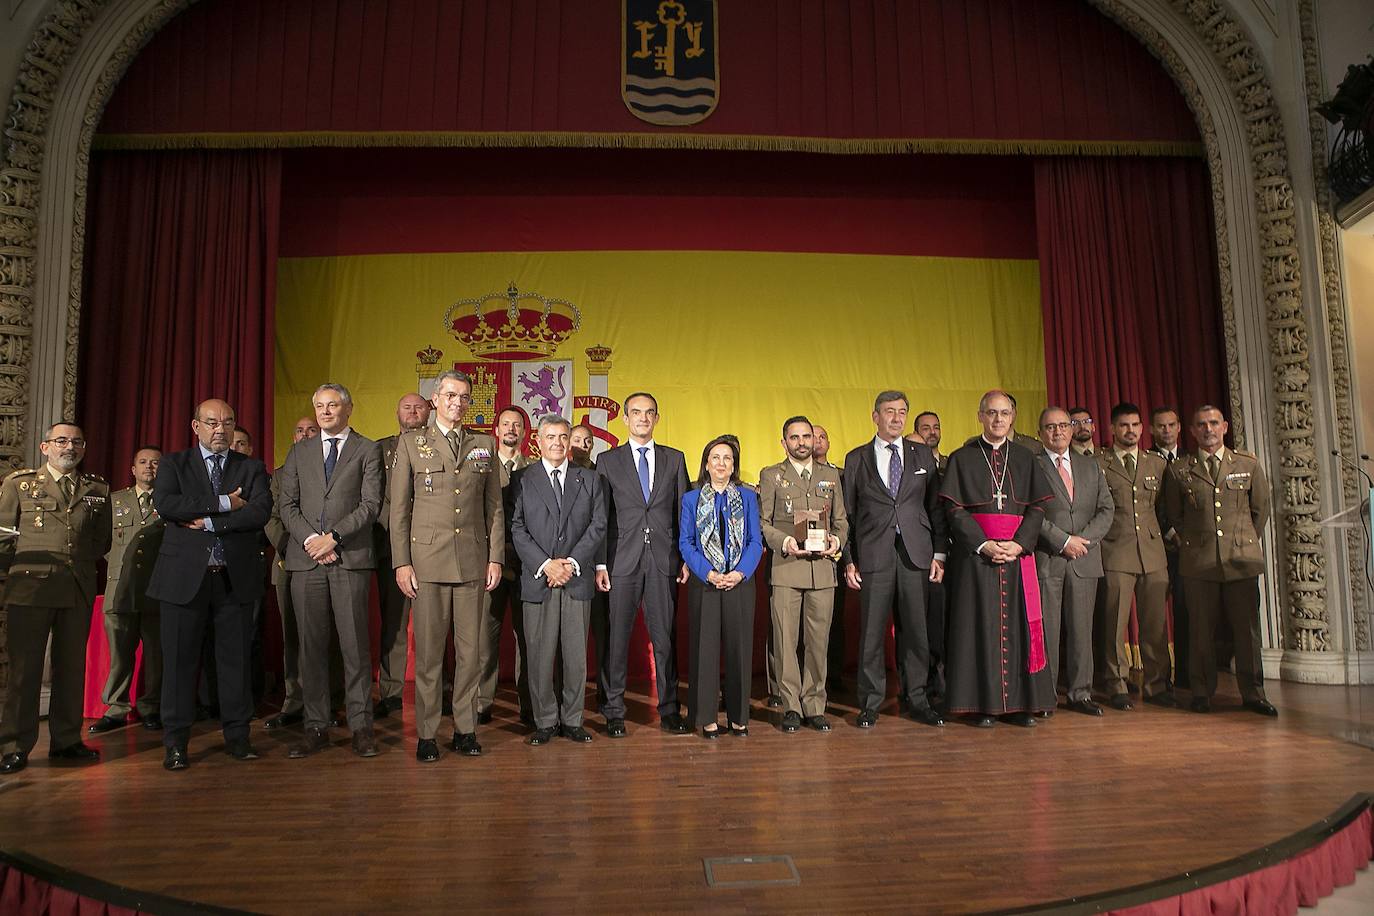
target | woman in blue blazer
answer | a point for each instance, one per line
(721, 543)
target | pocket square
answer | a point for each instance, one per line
(920, 471)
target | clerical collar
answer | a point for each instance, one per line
(993, 445)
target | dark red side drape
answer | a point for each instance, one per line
(180, 293)
(1128, 284)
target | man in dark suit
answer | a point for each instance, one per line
(639, 562)
(891, 493)
(558, 524)
(210, 568)
(1068, 555)
(331, 491)
(1165, 428)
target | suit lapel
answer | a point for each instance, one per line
(660, 470)
(1057, 482)
(349, 450)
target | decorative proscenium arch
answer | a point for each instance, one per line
(83, 47)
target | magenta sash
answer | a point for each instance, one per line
(1003, 528)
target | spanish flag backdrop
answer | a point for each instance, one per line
(739, 288)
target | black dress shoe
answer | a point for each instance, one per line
(465, 743)
(866, 719)
(791, 721)
(175, 759)
(927, 716)
(674, 724)
(1121, 702)
(1200, 704)
(13, 763)
(77, 751)
(819, 723)
(774, 701)
(284, 720)
(615, 728)
(577, 733)
(981, 721)
(153, 723)
(484, 717)
(1086, 706)
(385, 707)
(1164, 699)
(540, 736)
(314, 741)
(107, 724)
(1020, 719)
(1263, 707)
(240, 749)
(710, 732)
(427, 751)
(365, 743)
(739, 731)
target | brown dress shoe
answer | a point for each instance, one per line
(316, 739)
(365, 744)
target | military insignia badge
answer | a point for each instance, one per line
(825, 489)
(668, 72)
(479, 454)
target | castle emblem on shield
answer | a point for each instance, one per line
(513, 339)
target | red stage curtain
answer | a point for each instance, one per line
(1128, 284)
(180, 290)
(1010, 73)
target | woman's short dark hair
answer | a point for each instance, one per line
(704, 476)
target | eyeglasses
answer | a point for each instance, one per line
(1082, 421)
(1056, 427)
(63, 442)
(216, 424)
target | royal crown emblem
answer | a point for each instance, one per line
(512, 326)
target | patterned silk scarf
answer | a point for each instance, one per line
(708, 527)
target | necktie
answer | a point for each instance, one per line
(1063, 461)
(216, 481)
(510, 466)
(644, 471)
(1130, 465)
(453, 441)
(806, 475)
(68, 489)
(332, 459)
(1214, 466)
(894, 469)
(144, 504)
(557, 488)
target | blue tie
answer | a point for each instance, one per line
(331, 459)
(894, 469)
(644, 471)
(216, 480)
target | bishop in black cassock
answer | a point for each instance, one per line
(995, 648)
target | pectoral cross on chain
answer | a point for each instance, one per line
(1001, 498)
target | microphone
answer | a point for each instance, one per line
(1362, 472)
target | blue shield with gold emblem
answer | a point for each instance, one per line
(669, 72)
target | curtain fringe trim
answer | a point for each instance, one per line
(855, 146)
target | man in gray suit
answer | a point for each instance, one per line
(1068, 556)
(558, 525)
(331, 491)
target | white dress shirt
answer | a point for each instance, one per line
(562, 470)
(884, 457)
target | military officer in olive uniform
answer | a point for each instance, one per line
(131, 616)
(447, 543)
(1217, 500)
(412, 412)
(1135, 564)
(803, 582)
(63, 520)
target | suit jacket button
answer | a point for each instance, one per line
(457, 530)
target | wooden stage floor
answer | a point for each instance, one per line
(900, 818)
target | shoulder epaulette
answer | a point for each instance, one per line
(96, 477)
(1244, 454)
(21, 472)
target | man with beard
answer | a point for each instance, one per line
(995, 495)
(1133, 557)
(1083, 431)
(803, 579)
(63, 520)
(1165, 427)
(505, 599)
(412, 412)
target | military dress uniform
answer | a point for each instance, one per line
(505, 597)
(447, 522)
(1218, 510)
(1135, 564)
(131, 616)
(803, 588)
(49, 589)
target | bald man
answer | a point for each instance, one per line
(215, 502)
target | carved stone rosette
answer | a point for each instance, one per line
(1304, 565)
